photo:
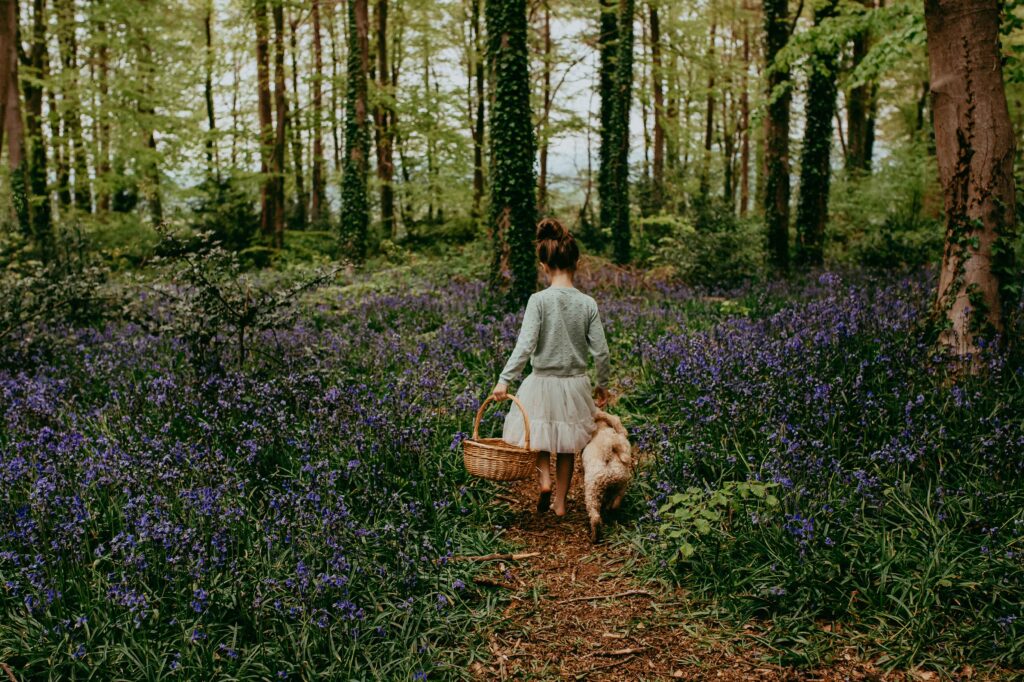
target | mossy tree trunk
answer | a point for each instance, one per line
(815, 168)
(974, 147)
(513, 210)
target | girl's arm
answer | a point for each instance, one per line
(599, 349)
(525, 345)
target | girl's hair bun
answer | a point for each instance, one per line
(556, 246)
(549, 228)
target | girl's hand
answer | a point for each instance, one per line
(601, 396)
(500, 391)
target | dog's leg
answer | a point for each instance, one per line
(617, 499)
(594, 497)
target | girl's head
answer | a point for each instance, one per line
(556, 247)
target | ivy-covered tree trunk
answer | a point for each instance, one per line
(513, 210)
(477, 107)
(67, 39)
(815, 169)
(776, 135)
(658, 93)
(607, 41)
(355, 210)
(622, 101)
(975, 150)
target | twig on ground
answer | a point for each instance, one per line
(7, 669)
(621, 652)
(627, 593)
(480, 580)
(505, 498)
(588, 671)
(493, 557)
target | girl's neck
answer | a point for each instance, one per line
(560, 279)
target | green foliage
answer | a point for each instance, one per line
(696, 519)
(891, 218)
(713, 247)
(226, 210)
(513, 212)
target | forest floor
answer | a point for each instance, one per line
(576, 611)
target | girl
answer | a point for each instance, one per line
(560, 325)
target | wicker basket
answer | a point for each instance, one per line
(495, 459)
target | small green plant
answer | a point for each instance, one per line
(695, 516)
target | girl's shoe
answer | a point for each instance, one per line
(544, 502)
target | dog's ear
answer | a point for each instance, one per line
(622, 451)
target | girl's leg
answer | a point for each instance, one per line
(563, 474)
(544, 480)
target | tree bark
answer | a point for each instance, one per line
(621, 236)
(211, 120)
(11, 123)
(478, 127)
(67, 39)
(657, 87)
(513, 209)
(815, 166)
(975, 151)
(384, 126)
(776, 134)
(266, 117)
(316, 208)
(542, 178)
(709, 119)
(354, 201)
(608, 40)
(39, 207)
(861, 102)
(281, 115)
(745, 124)
(293, 120)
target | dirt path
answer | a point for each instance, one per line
(563, 625)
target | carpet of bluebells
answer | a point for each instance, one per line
(900, 482)
(298, 515)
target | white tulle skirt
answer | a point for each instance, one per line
(561, 412)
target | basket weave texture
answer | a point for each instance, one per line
(495, 459)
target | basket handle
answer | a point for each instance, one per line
(491, 399)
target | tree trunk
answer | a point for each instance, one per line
(542, 179)
(316, 208)
(658, 162)
(478, 127)
(975, 151)
(745, 125)
(211, 120)
(40, 197)
(513, 210)
(293, 120)
(281, 115)
(11, 124)
(68, 41)
(607, 44)
(623, 99)
(355, 216)
(860, 110)
(267, 203)
(776, 135)
(383, 119)
(103, 142)
(709, 119)
(815, 167)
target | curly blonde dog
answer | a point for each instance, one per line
(607, 469)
